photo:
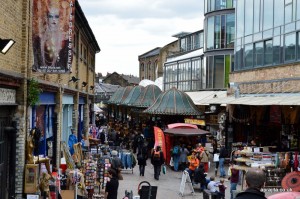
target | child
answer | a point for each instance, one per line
(222, 188)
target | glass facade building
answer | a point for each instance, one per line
(185, 75)
(219, 42)
(267, 33)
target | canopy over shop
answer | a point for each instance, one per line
(181, 133)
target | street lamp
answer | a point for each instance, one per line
(5, 45)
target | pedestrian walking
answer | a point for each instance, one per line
(204, 159)
(200, 177)
(142, 157)
(157, 159)
(193, 164)
(176, 156)
(222, 156)
(112, 186)
(183, 157)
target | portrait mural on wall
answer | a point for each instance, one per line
(52, 35)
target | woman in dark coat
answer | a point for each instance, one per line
(200, 176)
(142, 157)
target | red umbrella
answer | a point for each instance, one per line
(285, 195)
(291, 181)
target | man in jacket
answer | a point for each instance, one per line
(255, 180)
(157, 159)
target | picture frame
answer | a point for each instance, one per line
(31, 178)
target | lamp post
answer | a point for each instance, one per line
(6, 44)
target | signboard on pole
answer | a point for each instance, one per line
(160, 140)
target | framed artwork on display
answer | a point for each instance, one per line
(31, 178)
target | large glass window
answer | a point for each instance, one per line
(258, 54)
(217, 32)
(248, 55)
(256, 16)
(209, 35)
(183, 44)
(240, 18)
(279, 12)
(298, 9)
(298, 45)
(290, 46)
(201, 40)
(230, 30)
(249, 17)
(268, 14)
(276, 50)
(210, 71)
(219, 72)
(268, 52)
(288, 9)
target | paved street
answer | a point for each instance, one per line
(168, 185)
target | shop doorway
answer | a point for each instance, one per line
(5, 149)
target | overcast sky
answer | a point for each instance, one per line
(125, 29)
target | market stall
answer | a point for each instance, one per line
(277, 165)
(178, 130)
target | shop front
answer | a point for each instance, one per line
(7, 142)
(67, 117)
(267, 137)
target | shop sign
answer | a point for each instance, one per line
(195, 121)
(8, 96)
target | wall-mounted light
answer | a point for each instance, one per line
(84, 84)
(73, 79)
(5, 45)
(92, 87)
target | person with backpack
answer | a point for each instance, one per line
(175, 156)
(157, 159)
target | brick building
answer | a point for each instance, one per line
(65, 100)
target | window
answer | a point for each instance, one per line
(288, 10)
(219, 72)
(258, 54)
(248, 55)
(279, 12)
(268, 52)
(217, 32)
(240, 19)
(256, 16)
(209, 36)
(276, 50)
(230, 29)
(290, 47)
(298, 44)
(249, 17)
(183, 44)
(268, 14)
(142, 67)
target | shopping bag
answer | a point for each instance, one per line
(164, 168)
(171, 162)
(216, 157)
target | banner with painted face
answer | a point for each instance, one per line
(52, 35)
(160, 140)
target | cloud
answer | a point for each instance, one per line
(126, 29)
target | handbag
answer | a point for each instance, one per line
(164, 168)
(171, 162)
(216, 157)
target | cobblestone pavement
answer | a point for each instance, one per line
(168, 184)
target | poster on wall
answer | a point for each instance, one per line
(52, 35)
